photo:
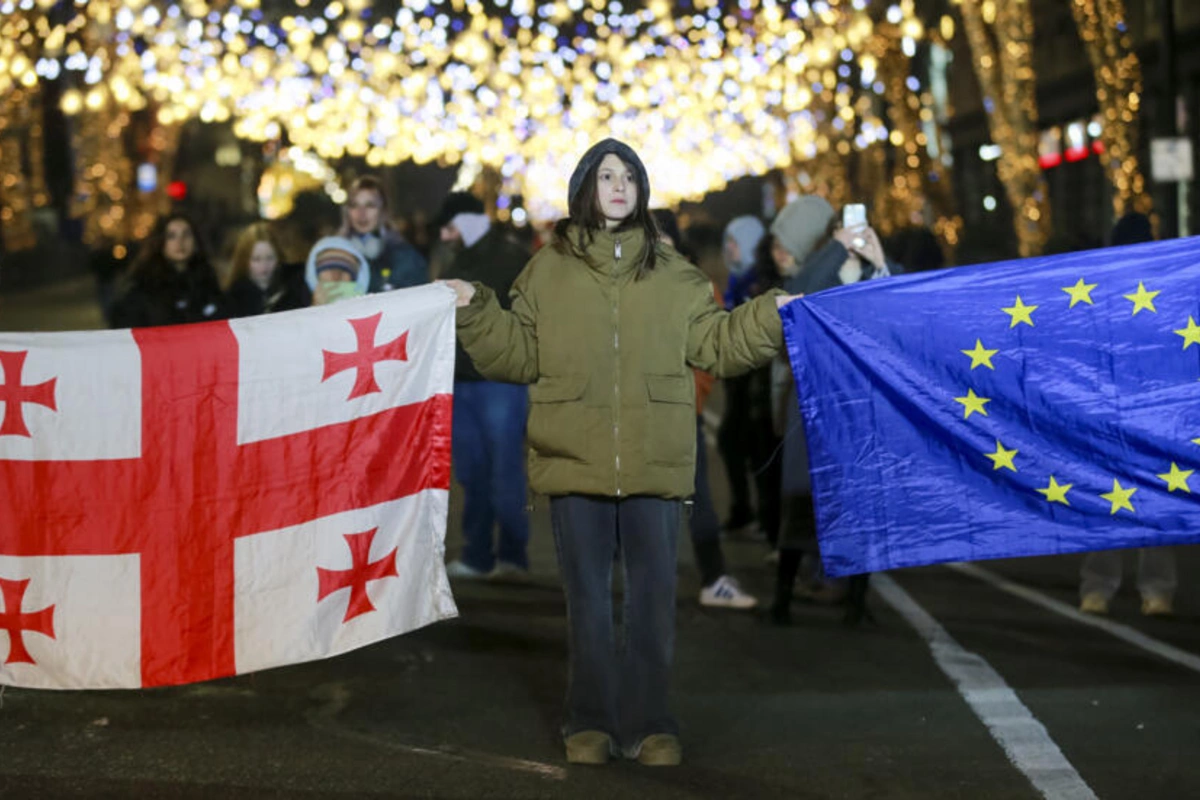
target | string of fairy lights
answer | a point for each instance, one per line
(1001, 37)
(707, 90)
(1118, 74)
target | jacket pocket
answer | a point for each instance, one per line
(557, 425)
(671, 419)
(558, 388)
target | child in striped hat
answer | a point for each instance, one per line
(336, 271)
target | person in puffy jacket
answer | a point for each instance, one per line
(606, 324)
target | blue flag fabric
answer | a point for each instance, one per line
(1033, 407)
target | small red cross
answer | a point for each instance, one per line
(357, 577)
(13, 394)
(368, 354)
(16, 622)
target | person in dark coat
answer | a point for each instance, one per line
(813, 255)
(172, 281)
(735, 436)
(257, 283)
(488, 441)
(395, 264)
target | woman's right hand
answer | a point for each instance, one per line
(463, 291)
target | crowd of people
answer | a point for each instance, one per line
(583, 368)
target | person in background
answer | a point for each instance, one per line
(336, 271)
(763, 438)
(813, 255)
(718, 589)
(257, 283)
(605, 323)
(1101, 571)
(740, 242)
(395, 264)
(171, 282)
(488, 440)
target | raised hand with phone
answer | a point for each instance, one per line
(858, 237)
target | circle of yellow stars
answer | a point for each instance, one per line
(1120, 498)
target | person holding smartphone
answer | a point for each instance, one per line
(813, 254)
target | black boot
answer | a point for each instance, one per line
(856, 602)
(785, 581)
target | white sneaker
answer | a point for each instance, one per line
(508, 572)
(457, 569)
(725, 593)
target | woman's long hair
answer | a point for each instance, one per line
(151, 267)
(584, 212)
(252, 235)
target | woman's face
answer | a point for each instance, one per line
(365, 210)
(263, 261)
(785, 262)
(616, 190)
(180, 243)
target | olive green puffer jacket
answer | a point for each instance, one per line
(612, 409)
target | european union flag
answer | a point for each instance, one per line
(1049, 405)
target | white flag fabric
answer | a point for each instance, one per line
(185, 503)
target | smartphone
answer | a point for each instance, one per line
(854, 215)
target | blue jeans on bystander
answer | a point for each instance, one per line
(488, 447)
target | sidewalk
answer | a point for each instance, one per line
(69, 305)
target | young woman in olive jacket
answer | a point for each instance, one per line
(606, 324)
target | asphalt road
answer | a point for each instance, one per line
(978, 682)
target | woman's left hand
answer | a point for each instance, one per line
(782, 300)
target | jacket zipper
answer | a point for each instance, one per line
(617, 366)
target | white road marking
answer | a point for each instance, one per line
(1123, 632)
(1025, 740)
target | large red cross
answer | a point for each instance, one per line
(195, 490)
(368, 354)
(358, 576)
(13, 394)
(16, 622)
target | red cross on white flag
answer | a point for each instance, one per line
(180, 504)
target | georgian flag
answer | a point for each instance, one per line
(180, 504)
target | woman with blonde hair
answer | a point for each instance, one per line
(395, 264)
(256, 284)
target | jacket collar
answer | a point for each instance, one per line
(602, 252)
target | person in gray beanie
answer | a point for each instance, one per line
(801, 226)
(813, 255)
